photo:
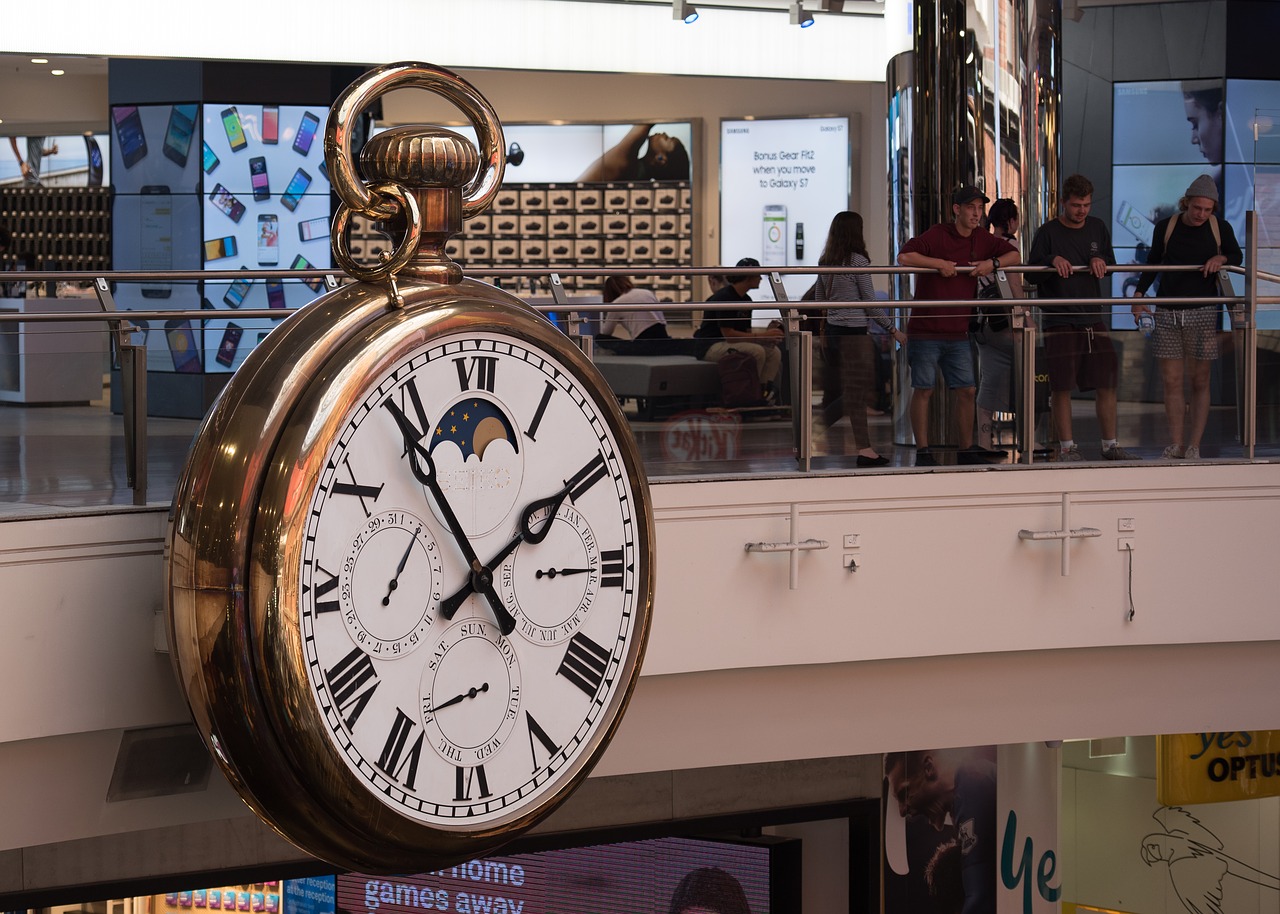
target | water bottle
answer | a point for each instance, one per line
(1146, 323)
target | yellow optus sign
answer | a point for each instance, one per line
(1217, 767)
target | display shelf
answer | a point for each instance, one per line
(46, 363)
(57, 228)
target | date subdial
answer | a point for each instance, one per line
(548, 587)
(391, 584)
(470, 692)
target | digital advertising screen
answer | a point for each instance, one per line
(265, 204)
(155, 216)
(781, 182)
(1168, 133)
(637, 877)
(60, 161)
(593, 153)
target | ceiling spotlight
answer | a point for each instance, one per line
(39, 59)
(684, 11)
(799, 15)
(58, 72)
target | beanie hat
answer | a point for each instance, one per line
(1203, 186)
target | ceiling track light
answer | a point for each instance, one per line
(799, 15)
(684, 11)
(833, 6)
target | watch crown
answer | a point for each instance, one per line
(434, 165)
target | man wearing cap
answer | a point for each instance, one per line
(721, 331)
(1186, 335)
(939, 337)
(1077, 345)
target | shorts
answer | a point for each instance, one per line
(1080, 357)
(924, 357)
(1187, 334)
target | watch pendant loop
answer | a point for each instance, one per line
(352, 191)
(402, 202)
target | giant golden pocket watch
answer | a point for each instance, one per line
(411, 555)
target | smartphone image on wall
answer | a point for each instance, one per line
(182, 346)
(177, 137)
(155, 242)
(220, 248)
(270, 124)
(210, 160)
(238, 292)
(301, 263)
(313, 229)
(306, 133)
(259, 179)
(298, 185)
(229, 345)
(275, 293)
(235, 130)
(129, 133)
(774, 249)
(226, 201)
(268, 240)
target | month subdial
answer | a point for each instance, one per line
(391, 584)
(549, 586)
(470, 692)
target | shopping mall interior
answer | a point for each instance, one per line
(1104, 622)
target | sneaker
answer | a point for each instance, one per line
(1116, 452)
(1192, 453)
(924, 458)
(1069, 455)
(1176, 452)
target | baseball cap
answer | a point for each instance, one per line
(967, 193)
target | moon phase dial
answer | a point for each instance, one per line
(391, 584)
(470, 692)
(549, 586)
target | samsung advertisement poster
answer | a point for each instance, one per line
(781, 182)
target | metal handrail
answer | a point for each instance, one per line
(135, 419)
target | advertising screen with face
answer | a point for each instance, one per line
(265, 205)
(781, 182)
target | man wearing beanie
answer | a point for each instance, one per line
(1186, 335)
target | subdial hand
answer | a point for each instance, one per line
(469, 693)
(404, 560)
(554, 573)
(527, 534)
(481, 577)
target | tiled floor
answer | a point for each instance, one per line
(60, 458)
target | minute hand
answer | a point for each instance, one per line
(527, 534)
(481, 578)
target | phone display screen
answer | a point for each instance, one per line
(268, 240)
(226, 201)
(235, 130)
(182, 346)
(229, 345)
(177, 137)
(313, 229)
(258, 178)
(210, 161)
(774, 241)
(221, 248)
(298, 185)
(306, 133)
(129, 133)
(237, 292)
(270, 124)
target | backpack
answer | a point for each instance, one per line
(739, 380)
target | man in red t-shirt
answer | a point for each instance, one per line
(939, 337)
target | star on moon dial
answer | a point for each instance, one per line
(493, 580)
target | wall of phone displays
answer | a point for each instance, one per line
(621, 224)
(58, 228)
(217, 186)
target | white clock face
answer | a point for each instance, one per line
(468, 581)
